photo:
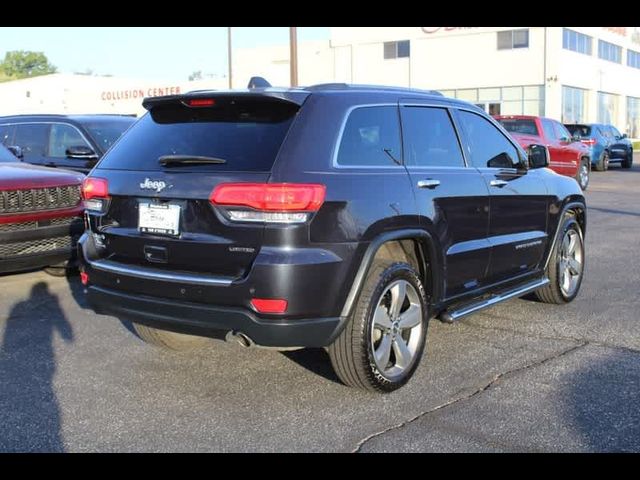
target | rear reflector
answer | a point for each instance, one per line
(269, 305)
(84, 278)
(589, 141)
(202, 102)
(270, 197)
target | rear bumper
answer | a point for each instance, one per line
(207, 305)
(210, 321)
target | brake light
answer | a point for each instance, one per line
(202, 102)
(269, 202)
(269, 305)
(589, 141)
(95, 192)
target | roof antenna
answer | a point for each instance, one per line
(258, 82)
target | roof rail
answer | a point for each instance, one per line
(343, 86)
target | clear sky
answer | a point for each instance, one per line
(168, 53)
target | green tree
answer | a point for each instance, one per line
(24, 64)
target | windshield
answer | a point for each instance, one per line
(106, 132)
(522, 126)
(582, 131)
(246, 135)
(6, 155)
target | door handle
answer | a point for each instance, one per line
(498, 183)
(429, 183)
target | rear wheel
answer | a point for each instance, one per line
(168, 340)
(382, 343)
(582, 176)
(628, 162)
(603, 164)
(566, 265)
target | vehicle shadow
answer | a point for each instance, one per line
(602, 404)
(316, 360)
(29, 413)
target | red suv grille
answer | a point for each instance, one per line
(38, 199)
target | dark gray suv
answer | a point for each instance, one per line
(74, 142)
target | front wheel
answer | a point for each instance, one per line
(566, 265)
(628, 161)
(380, 347)
(582, 176)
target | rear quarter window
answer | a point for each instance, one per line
(371, 138)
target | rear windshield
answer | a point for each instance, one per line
(522, 126)
(583, 131)
(246, 133)
(106, 132)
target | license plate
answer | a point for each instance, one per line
(159, 219)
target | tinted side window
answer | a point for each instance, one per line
(429, 138)
(6, 155)
(487, 146)
(547, 127)
(6, 134)
(62, 137)
(615, 132)
(32, 138)
(561, 132)
(371, 137)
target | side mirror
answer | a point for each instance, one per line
(81, 152)
(16, 150)
(624, 135)
(538, 156)
(576, 138)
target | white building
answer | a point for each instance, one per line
(77, 94)
(574, 74)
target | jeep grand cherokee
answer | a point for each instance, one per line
(331, 216)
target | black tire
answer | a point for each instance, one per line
(583, 174)
(168, 340)
(553, 293)
(628, 162)
(352, 352)
(603, 164)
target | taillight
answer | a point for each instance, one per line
(588, 141)
(269, 202)
(95, 193)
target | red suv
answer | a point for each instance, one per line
(568, 156)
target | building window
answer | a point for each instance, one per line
(401, 49)
(574, 105)
(513, 39)
(528, 100)
(607, 108)
(633, 59)
(633, 117)
(576, 42)
(609, 51)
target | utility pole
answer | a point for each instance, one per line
(229, 55)
(293, 60)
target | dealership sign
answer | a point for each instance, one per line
(135, 93)
(430, 30)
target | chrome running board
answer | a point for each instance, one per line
(451, 316)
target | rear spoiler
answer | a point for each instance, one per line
(296, 97)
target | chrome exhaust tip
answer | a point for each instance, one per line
(239, 337)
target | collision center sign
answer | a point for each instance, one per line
(135, 93)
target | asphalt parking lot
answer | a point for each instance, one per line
(522, 376)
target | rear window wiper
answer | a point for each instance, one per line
(177, 160)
